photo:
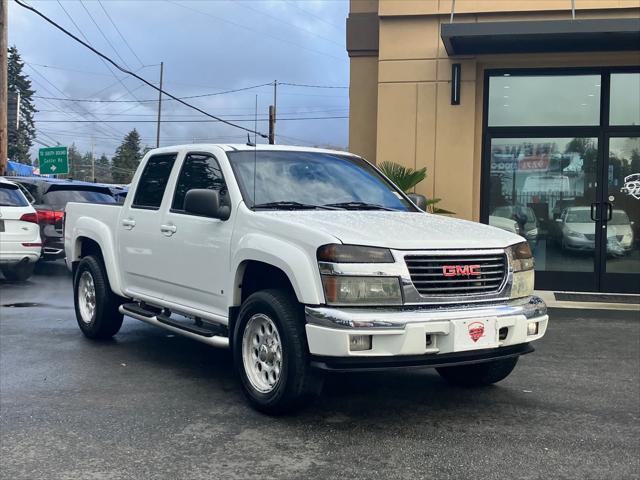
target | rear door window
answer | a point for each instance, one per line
(153, 182)
(11, 196)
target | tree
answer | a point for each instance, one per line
(406, 179)
(127, 158)
(103, 169)
(75, 162)
(21, 140)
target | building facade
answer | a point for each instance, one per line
(526, 114)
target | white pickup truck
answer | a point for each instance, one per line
(302, 261)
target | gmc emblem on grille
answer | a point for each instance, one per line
(461, 270)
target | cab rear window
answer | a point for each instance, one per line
(11, 196)
(59, 198)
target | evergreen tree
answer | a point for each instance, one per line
(103, 169)
(21, 140)
(75, 162)
(127, 158)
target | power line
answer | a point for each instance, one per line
(310, 86)
(217, 119)
(317, 17)
(103, 34)
(264, 34)
(83, 36)
(124, 70)
(119, 32)
(151, 100)
(278, 19)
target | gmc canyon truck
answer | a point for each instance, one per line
(302, 261)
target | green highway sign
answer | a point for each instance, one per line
(53, 160)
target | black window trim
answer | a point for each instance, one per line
(148, 207)
(175, 187)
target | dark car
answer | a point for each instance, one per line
(50, 197)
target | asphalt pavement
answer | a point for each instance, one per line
(150, 405)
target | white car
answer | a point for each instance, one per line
(579, 231)
(20, 244)
(301, 261)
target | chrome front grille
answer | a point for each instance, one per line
(443, 275)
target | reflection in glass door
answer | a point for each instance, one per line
(544, 189)
(561, 167)
(621, 216)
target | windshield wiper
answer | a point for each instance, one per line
(360, 206)
(287, 205)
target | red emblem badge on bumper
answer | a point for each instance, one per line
(476, 330)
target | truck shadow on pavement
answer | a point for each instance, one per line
(366, 396)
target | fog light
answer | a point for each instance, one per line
(357, 343)
(532, 328)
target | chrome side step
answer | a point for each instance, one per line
(204, 335)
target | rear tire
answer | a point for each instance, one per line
(271, 355)
(96, 305)
(20, 272)
(479, 374)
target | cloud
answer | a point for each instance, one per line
(206, 46)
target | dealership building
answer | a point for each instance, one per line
(526, 114)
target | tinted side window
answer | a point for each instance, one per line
(10, 196)
(153, 181)
(199, 171)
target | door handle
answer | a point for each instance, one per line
(609, 211)
(168, 230)
(128, 223)
(594, 208)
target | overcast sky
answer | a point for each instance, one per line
(207, 47)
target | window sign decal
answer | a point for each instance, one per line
(632, 185)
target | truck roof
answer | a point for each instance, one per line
(232, 147)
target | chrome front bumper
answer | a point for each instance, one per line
(416, 331)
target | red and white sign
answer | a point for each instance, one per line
(474, 334)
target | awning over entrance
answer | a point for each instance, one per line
(541, 36)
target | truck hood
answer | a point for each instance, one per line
(399, 230)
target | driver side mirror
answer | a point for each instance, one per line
(419, 200)
(205, 203)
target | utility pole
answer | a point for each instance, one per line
(272, 114)
(4, 94)
(93, 163)
(159, 105)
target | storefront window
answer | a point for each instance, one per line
(544, 100)
(625, 99)
(542, 189)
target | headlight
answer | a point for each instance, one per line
(338, 253)
(522, 257)
(523, 275)
(343, 290)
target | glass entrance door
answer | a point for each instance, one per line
(561, 168)
(545, 189)
(620, 228)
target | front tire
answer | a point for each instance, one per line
(479, 374)
(271, 354)
(95, 304)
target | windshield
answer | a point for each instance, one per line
(10, 196)
(312, 178)
(579, 216)
(59, 198)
